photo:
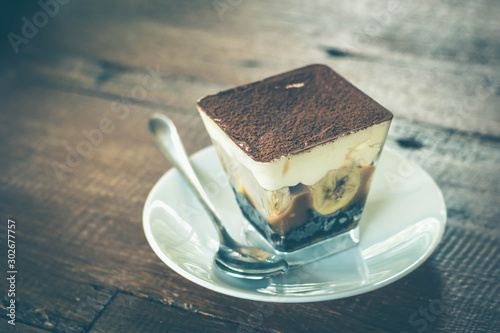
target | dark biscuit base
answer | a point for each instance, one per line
(318, 226)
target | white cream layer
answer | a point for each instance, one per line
(310, 166)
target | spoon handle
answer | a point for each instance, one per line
(167, 140)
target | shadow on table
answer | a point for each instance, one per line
(415, 303)
(12, 15)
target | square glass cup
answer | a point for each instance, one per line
(309, 203)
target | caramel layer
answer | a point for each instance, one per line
(296, 213)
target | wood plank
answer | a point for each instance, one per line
(451, 63)
(19, 328)
(459, 101)
(387, 32)
(145, 316)
(46, 301)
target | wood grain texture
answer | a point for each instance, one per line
(85, 264)
(22, 328)
(156, 317)
(449, 60)
(89, 216)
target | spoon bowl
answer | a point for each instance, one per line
(232, 258)
(249, 263)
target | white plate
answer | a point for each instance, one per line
(402, 224)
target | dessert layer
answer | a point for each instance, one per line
(307, 167)
(291, 112)
(298, 210)
(314, 228)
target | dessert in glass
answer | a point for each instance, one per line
(300, 149)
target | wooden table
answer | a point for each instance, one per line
(82, 260)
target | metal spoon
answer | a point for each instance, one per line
(232, 258)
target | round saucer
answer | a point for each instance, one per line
(402, 224)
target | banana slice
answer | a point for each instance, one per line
(268, 203)
(278, 200)
(335, 189)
